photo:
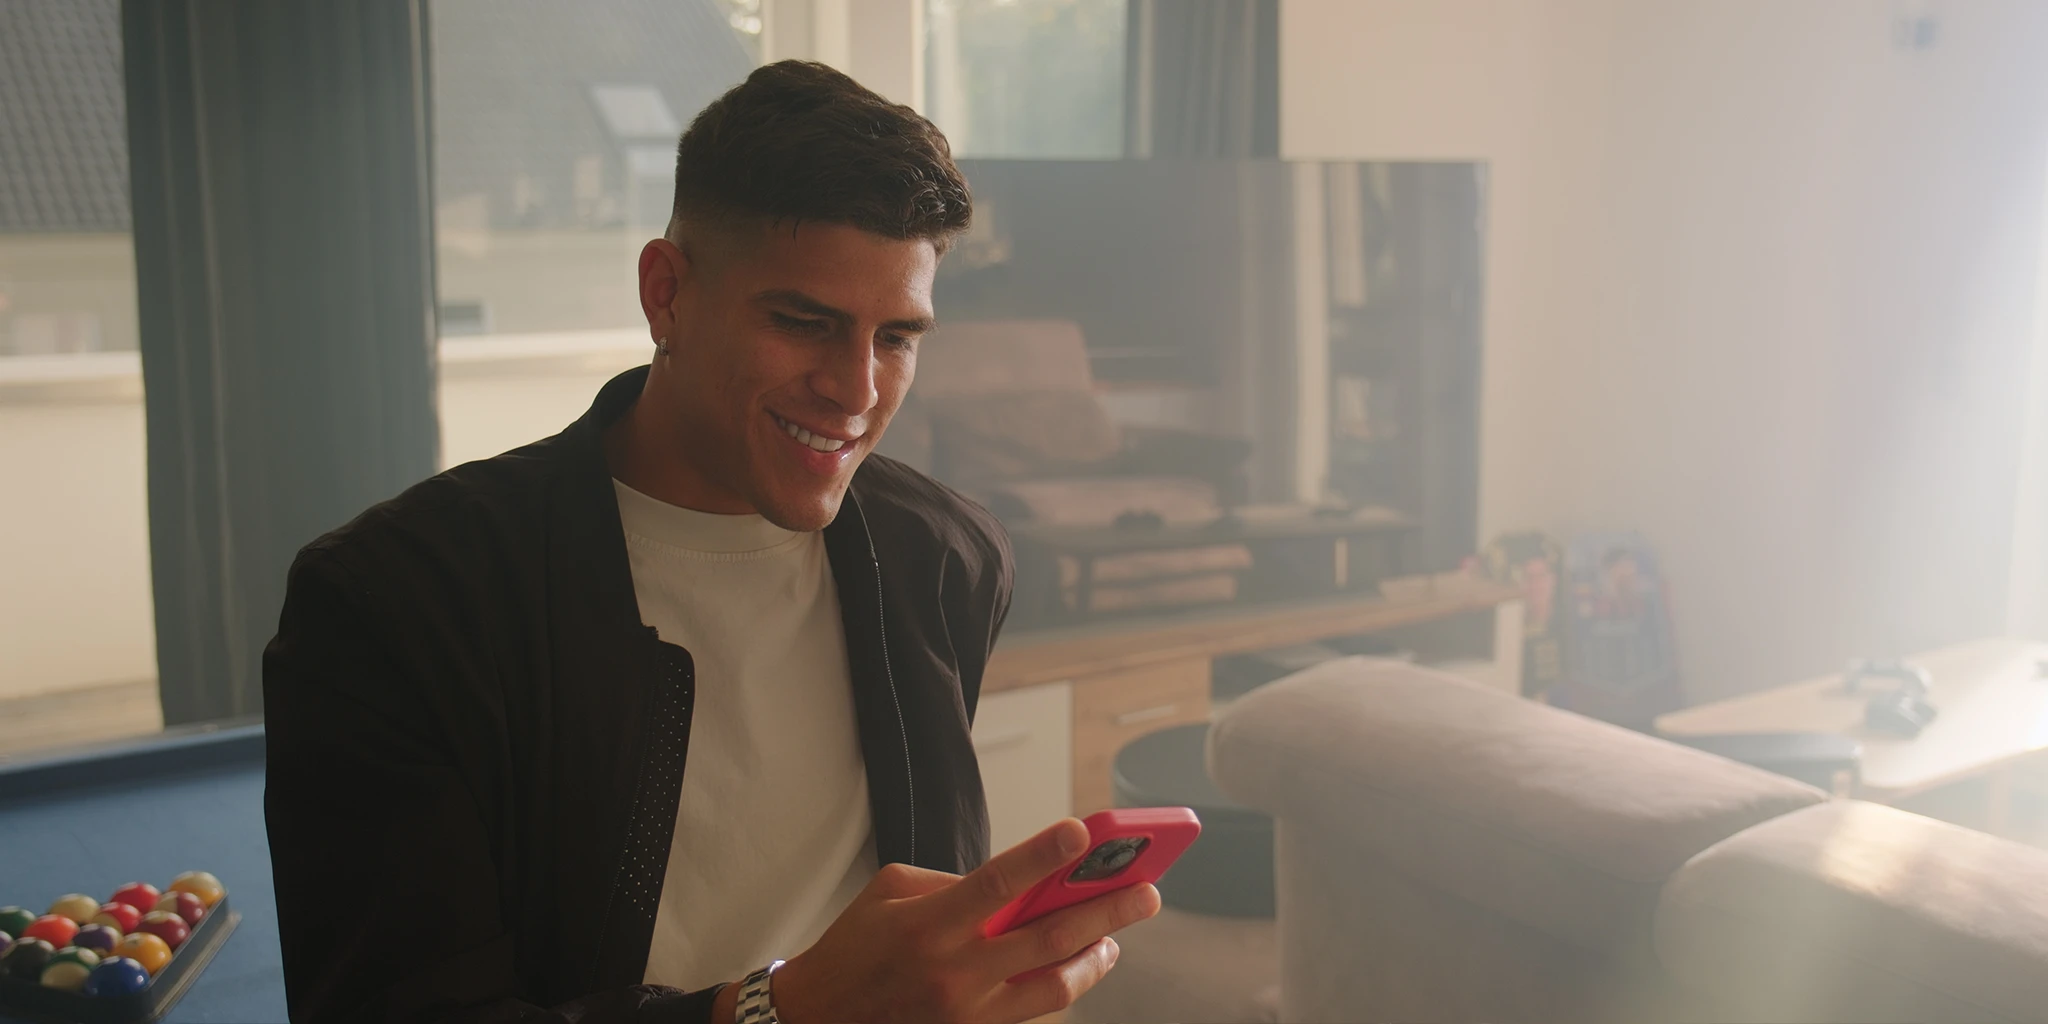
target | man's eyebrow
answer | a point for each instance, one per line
(802, 303)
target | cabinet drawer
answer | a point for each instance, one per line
(1113, 709)
(1024, 741)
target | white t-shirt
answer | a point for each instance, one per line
(773, 837)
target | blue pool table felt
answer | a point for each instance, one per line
(94, 838)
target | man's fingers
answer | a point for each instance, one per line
(1008, 874)
(1055, 989)
(1063, 933)
(902, 881)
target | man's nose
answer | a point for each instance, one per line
(848, 377)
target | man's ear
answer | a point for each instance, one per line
(663, 268)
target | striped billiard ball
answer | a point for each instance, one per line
(69, 968)
(99, 938)
(121, 917)
(184, 904)
(166, 926)
(15, 920)
(77, 906)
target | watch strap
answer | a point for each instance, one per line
(756, 1004)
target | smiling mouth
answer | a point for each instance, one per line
(816, 442)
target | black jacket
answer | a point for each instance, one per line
(475, 745)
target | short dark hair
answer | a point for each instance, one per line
(799, 141)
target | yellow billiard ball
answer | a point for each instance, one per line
(146, 949)
(201, 884)
(77, 906)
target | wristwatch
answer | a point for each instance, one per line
(756, 1004)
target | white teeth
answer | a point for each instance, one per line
(805, 437)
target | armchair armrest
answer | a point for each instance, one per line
(1566, 824)
(1853, 911)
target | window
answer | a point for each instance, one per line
(1034, 78)
(77, 627)
(555, 129)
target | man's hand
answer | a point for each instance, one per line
(910, 948)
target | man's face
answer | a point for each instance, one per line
(789, 351)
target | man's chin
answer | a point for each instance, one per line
(804, 513)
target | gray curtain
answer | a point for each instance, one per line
(283, 259)
(1202, 78)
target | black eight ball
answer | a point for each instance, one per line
(27, 959)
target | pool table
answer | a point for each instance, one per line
(88, 822)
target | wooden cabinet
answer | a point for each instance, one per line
(1115, 708)
(1024, 741)
(1057, 705)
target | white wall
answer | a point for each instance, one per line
(75, 604)
(1760, 283)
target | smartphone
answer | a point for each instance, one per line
(1126, 846)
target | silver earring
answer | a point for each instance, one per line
(661, 346)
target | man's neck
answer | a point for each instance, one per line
(642, 451)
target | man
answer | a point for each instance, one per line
(592, 730)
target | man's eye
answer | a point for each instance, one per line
(800, 325)
(898, 341)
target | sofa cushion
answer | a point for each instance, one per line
(1852, 911)
(1561, 822)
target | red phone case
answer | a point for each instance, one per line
(1168, 831)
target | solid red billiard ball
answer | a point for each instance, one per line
(184, 904)
(140, 895)
(166, 926)
(121, 917)
(55, 930)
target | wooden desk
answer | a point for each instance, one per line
(1035, 657)
(1120, 680)
(1993, 703)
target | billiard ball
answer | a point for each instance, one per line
(201, 884)
(166, 926)
(99, 938)
(57, 931)
(121, 917)
(26, 959)
(15, 920)
(68, 969)
(117, 977)
(77, 906)
(146, 949)
(140, 895)
(184, 904)
(6, 943)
